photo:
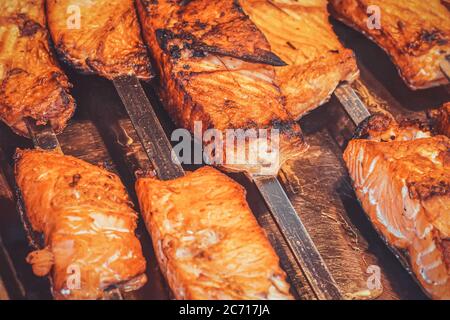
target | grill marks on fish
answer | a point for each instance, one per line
(208, 242)
(32, 84)
(403, 184)
(418, 48)
(300, 34)
(216, 27)
(107, 40)
(87, 221)
(220, 91)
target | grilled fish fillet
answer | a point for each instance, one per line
(300, 34)
(218, 88)
(107, 40)
(401, 175)
(88, 225)
(415, 34)
(31, 82)
(440, 119)
(207, 241)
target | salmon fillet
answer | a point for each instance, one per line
(217, 88)
(87, 222)
(440, 119)
(107, 40)
(32, 85)
(414, 33)
(401, 176)
(207, 241)
(300, 34)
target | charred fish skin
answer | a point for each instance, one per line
(32, 84)
(207, 241)
(417, 49)
(401, 175)
(215, 27)
(99, 37)
(440, 119)
(87, 222)
(300, 33)
(219, 91)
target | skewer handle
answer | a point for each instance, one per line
(43, 136)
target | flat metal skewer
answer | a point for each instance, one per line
(302, 246)
(43, 136)
(148, 128)
(352, 103)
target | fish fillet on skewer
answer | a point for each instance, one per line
(87, 222)
(31, 82)
(222, 85)
(401, 175)
(300, 33)
(101, 37)
(207, 240)
(414, 33)
(440, 119)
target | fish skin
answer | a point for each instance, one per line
(221, 92)
(417, 48)
(108, 41)
(32, 85)
(216, 27)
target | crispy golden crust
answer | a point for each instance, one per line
(88, 224)
(440, 119)
(208, 243)
(215, 26)
(403, 182)
(31, 83)
(218, 91)
(415, 34)
(300, 34)
(108, 41)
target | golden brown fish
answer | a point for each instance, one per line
(401, 175)
(87, 222)
(101, 36)
(301, 35)
(219, 88)
(207, 241)
(415, 34)
(32, 85)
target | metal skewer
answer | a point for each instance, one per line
(43, 136)
(352, 103)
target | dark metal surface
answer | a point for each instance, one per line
(298, 239)
(148, 128)
(355, 108)
(43, 136)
